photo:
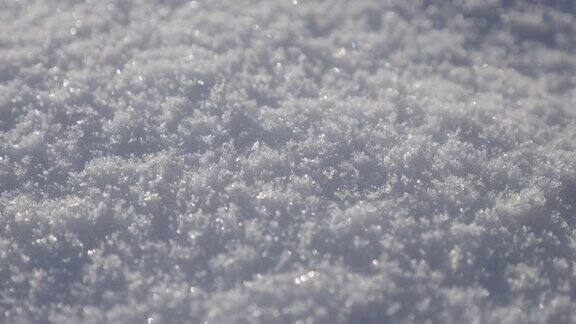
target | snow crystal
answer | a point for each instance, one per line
(287, 161)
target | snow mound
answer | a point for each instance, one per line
(287, 161)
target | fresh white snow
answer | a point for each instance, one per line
(281, 161)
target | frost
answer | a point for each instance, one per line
(334, 161)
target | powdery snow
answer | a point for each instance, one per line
(278, 161)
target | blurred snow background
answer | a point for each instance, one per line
(280, 161)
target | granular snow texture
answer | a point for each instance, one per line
(309, 161)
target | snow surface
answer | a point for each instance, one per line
(279, 161)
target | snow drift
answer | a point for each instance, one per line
(281, 161)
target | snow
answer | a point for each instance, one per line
(287, 161)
